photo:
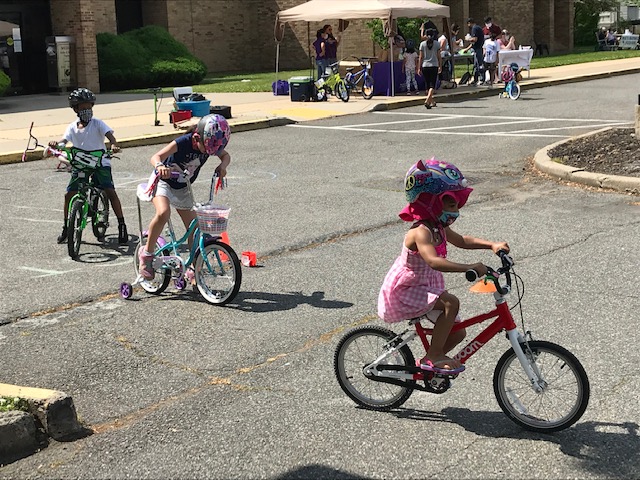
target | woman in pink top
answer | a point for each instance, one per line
(414, 286)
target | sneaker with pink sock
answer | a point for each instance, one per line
(146, 264)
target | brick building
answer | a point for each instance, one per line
(230, 35)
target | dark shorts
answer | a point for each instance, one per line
(430, 75)
(491, 66)
(102, 177)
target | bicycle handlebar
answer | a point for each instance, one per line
(494, 276)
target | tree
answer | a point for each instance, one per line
(586, 16)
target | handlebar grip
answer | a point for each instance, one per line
(471, 275)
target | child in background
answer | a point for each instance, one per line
(414, 286)
(490, 51)
(410, 66)
(188, 152)
(88, 133)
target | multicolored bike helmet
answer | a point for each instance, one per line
(426, 183)
(214, 132)
(81, 95)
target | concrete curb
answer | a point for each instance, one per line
(18, 436)
(545, 164)
(51, 411)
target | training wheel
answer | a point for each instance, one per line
(180, 283)
(126, 290)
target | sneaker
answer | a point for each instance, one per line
(63, 235)
(190, 276)
(146, 264)
(479, 83)
(123, 236)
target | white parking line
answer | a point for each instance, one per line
(566, 128)
(545, 119)
(47, 273)
(435, 132)
(34, 220)
(495, 121)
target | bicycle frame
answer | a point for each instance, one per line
(503, 321)
(358, 77)
(198, 238)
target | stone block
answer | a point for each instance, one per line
(19, 436)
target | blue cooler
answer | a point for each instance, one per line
(198, 109)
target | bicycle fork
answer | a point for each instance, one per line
(526, 361)
(85, 212)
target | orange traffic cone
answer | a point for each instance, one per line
(225, 239)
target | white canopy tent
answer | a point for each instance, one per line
(344, 10)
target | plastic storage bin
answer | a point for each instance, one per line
(198, 109)
(301, 89)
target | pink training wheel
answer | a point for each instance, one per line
(126, 290)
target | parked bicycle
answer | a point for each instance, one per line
(212, 265)
(539, 385)
(510, 75)
(332, 83)
(90, 202)
(362, 80)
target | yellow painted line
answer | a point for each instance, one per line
(307, 113)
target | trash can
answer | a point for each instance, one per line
(301, 89)
(61, 62)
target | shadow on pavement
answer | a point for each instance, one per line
(264, 302)
(318, 471)
(603, 448)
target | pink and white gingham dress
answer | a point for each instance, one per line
(411, 287)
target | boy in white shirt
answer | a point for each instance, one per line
(490, 56)
(88, 133)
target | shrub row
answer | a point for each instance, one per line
(147, 57)
(5, 83)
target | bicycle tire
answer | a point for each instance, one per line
(342, 92)
(222, 284)
(359, 347)
(74, 229)
(160, 281)
(514, 91)
(367, 87)
(516, 396)
(99, 213)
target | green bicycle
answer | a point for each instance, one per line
(331, 82)
(90, 202)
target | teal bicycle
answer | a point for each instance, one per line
(211, 265)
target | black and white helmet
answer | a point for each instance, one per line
(81, 95)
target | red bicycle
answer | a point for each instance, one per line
(539, 385)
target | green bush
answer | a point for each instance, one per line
(5, 83)
(147, 57)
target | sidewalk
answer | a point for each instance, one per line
(132, 115)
